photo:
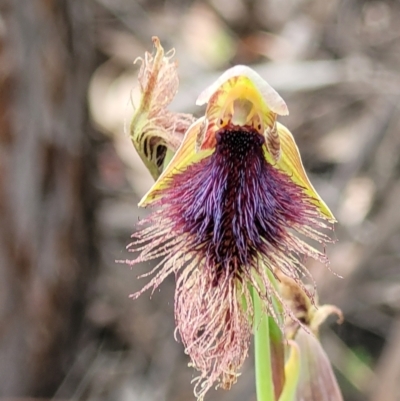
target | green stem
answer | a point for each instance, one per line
(264, 380)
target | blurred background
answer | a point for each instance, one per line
(70, 182)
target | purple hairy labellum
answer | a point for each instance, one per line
(233, 204)
(236, 209)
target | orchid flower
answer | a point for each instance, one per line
(229, 215)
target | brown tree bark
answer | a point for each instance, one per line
(47, 253)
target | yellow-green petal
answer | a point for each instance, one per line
(184, 156)
(290, 162)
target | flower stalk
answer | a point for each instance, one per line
(262, 352)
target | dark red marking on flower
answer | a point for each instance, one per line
(234, 204)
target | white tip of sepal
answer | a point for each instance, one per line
(268, 93)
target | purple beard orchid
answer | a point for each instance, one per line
(228, 210)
